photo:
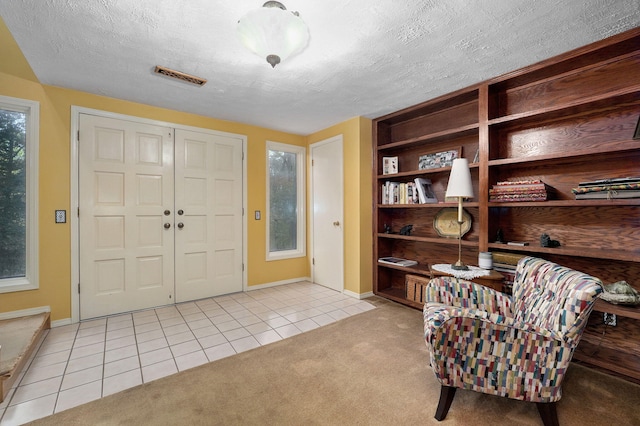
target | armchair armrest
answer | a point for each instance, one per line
(495, 354)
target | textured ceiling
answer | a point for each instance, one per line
(365, 58)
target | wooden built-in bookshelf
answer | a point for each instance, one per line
(566, 120)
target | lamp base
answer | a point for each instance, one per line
(459, 266)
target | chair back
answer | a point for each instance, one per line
(553, 297)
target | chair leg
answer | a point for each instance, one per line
(446, 398)
(548, 413)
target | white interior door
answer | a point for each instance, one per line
(125, 184)
(208, 215)
(328, 221)
(160, 215)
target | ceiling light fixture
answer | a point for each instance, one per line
(273, 33)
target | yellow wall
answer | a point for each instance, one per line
(17, 80)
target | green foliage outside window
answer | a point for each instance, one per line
(282, 201)
(13, 194)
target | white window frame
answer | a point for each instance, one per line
(32, 111)
(301, 246)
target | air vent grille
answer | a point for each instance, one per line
(180, 76)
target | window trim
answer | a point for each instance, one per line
(32, 110)
(301, 244)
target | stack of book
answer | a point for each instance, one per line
(506, 263)
(417, 192)
(514, 191)
(607, 189)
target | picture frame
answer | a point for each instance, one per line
(437, 160)
(636, 134)
(389, 165)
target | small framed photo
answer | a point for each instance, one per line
(389, 165)
(636, 135)
(437, 160)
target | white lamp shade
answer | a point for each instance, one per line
(273, 31)
(460, 184)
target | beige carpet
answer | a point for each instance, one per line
(369, 369)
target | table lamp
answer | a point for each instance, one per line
(460, 186)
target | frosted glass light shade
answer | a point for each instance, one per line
(273, 33)
(460, 184)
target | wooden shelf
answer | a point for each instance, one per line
(436, 240)
(587, 252)
(622, 310)
(563, 121)
(425, 206)
(564, 157)
(570, 203)
(602, 102)
(433, 137)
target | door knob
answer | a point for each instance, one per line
(180, 225)
(167, 225)
(180, 212)
(336, 223)
(167, 212)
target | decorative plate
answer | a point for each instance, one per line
(446, 222)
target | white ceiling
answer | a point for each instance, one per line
(365, 58)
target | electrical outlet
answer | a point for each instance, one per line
(610, 319)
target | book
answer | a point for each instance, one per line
(511, 198)
(425, 192)
(523, 190)
(397, 261)
(504, 266)
(609, 195)
(518, 243)
(389, 165)
(610, 181)
(605, 188)
(506, 258)
(517, 183)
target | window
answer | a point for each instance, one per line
(285, 200)
(18, 194)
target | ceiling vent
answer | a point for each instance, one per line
(180, 76)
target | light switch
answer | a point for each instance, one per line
(61, 216)
(257, 214)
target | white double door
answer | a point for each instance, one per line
(160, 215)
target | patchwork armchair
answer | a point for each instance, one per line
(515, 346)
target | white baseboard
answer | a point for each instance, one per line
(358, 295)
(276, 283)
(60, 323)
(24, 312)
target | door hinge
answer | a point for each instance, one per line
(78, 213)
(313, 260)
(78, 288)
(78, 135)
(243, 267)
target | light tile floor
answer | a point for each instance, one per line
(82, 362)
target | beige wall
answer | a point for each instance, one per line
(17, 80)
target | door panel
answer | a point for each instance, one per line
(209, 194)
(327, 193)
(125, 185)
